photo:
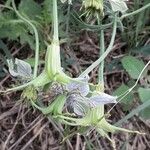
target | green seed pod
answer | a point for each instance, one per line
(53, 64)
(55, 108)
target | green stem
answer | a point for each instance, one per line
(16, 88)
(92, 27)
(55, 21)
(53, 60)
(102, 50)
(39, 81)
(104, 55)
(36, 39)
(67, 21)
(5, 6)
(136, 11)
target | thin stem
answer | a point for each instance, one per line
(55, 21)
(102, 50)
(104, 55)
(136, 11)
(5, 6)
(36, 39)
(17, 88)
(93, 27)
(67, 21)
(129, 90)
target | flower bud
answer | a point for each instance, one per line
(93, 7)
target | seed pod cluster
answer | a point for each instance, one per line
(93, 8)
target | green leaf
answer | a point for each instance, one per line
(144, 94)
(133, 66)
(127, 101)
(6, 17)
(144, 50)
(30, 8)
(12, 31)
(145, 113)
(26, 38)
(14, 28)
(46, 12)
(5, 49)
(133, 112)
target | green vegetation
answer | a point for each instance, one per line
(46, 26)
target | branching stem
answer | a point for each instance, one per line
(104, 55)
(136, 11)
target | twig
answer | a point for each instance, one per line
(12, 130)
(20, 139)
(12, 111)
(77, 142)
(32, 139)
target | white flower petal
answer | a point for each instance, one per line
(11, 68)
(118, 5)
(77, 104)
(79, 109)
(23, 68)
(101, 99)
(20, 68)
(81, 85)
(69, 1)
